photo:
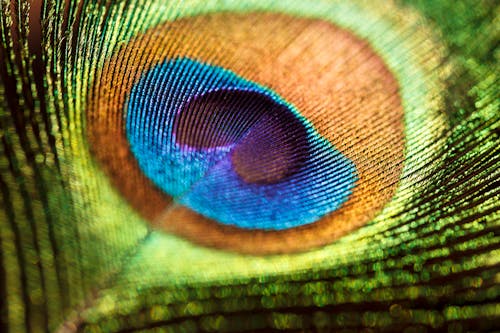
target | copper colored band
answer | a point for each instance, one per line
(332, 77)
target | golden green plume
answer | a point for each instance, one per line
(249, 166)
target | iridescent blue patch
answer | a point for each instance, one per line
(233, 150)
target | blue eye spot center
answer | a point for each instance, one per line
(231, 149)
(269, 142)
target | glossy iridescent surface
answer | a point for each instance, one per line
(233, 150)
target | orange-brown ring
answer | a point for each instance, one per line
(333, 78)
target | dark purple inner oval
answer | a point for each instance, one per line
(269, 141)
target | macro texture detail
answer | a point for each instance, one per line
(249, 165)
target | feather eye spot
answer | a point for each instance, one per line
(236, 138)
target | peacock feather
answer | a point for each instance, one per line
(249, 165)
